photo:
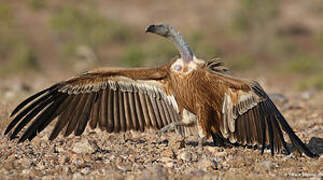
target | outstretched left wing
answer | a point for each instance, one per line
(251, 118)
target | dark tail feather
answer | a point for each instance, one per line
(294, 138)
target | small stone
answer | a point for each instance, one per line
(278, 98)
(59, 149)
(26, 172)
(198, 172)
(211, 148)
(50, 177)
(82, 147)
(77, 176)
(156, 172)
(290, 156)
(114, 175)
(185, 156)
(24, 162)
(67, 170)
(78, 161)
(267, 164)
(221, 154)
(63, 159)
(206, 164)
(169, 164)
(168, 153)
(306, 95)
(85, 171)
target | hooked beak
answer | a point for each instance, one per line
(175, 36)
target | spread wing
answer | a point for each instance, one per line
(112, 99)
(251, 118)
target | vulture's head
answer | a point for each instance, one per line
(187, 62)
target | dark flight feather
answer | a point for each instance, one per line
(25, 111)
(31, 98)
(46, 116)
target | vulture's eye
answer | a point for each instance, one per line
(178, 67)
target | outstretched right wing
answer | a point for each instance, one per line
(112, 99)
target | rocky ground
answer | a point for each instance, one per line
(99, 155)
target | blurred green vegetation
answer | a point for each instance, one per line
(15, 52)
(160, 50)
(305, 64)
(310, 67)
(254, 15)
(133, 57)
(242, 62)
(254, 37)
(202, 46)
(37, 4)
(314, 81)
(75, 27)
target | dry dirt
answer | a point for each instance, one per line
(99, 155)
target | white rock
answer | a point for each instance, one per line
(82, 147)
(185, 156)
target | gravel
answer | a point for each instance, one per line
(135, 155)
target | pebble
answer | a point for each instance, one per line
(67, 170)
(165, 159)
(186, 156)
(170, 164)
(168, 153)
(306, 95)
(156, 172)
(77, 176)
(82, 147)
(267, 164)
(85, 171)
(26, 172)
(24, 162)
(206, 164)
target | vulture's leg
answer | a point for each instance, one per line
(188, 119)
(203, 124)
(172, 126)
(200, 143)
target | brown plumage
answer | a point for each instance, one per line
(186, 92)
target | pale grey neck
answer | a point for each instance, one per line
(180, 43)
